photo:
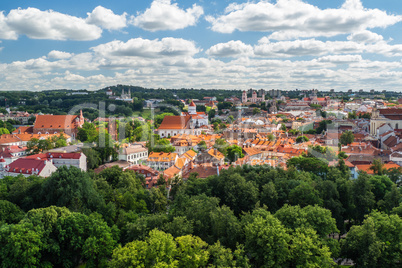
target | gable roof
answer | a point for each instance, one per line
(26, 165)
(161, 157)
(45, 156)
(56, 121)
(175, 122)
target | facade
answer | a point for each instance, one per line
(161, 161)
(78, 160)
(174, 125)
(28, 167)
(54, 124)
(212, 156)
(144, 170)
(198, 119)
(134, 154)
(12, 153)
(254, 98)
(379, 117)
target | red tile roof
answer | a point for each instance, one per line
(26, 165)
(56, 121)
(175, 122)
(46, 156)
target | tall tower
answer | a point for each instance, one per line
(192, 108)
(244, 97)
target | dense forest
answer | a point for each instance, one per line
(244, 217)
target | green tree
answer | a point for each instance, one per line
(191, 251)
(93, 158)
(256, 111)
(267, 241)
(163, 145)
(347, 138)
(378, 167)
(202, 145)
(10, 213)
(87, 133)
(363, 197)
(315, 217)
(234, 152)
(221, 145)
(20, 245)
(301, 139)
(72, 188)
(4, 130)
(305, 194)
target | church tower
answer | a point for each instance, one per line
(192, 108)
(244, 97)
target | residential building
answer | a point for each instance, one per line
(28, 167)
(134, 154)
(212, 156)
(12, 153)
(161, 160)
(379, 117)
(78, 160)
(173, 125)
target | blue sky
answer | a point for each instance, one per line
(282, 44)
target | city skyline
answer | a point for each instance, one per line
(284, 44)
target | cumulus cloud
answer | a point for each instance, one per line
(309, 47)
(341, 59)
(106, 19)
(5, 31)
(289, 19)
(365, 37)
(55, 54)
(230, 49)
(49, 24)
(145, 48)
(163, 15)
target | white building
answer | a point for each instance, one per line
(197, 118)
(78, 160)
(134, 154)
(28, 167)
(161, 161)
(173, 125)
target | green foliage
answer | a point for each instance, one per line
(4, 131)
(71, 188)
(302, 139)
(93, 158)
(221, 145)
(9, 212)
(347, 138)
(163, 145)
(256, 111)
(87, 133)
(376, 243)
(234, 152)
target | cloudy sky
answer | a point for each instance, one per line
(283, 44)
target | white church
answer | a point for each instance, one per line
(197, 118)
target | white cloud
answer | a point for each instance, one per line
(230, 49)
(145, 48)
(55, 54)
(163, 15)
(50, 24)
(365, 37)
(289, 19)
(5, 31)
(106, 19)
(309, 47)
(341, 59)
